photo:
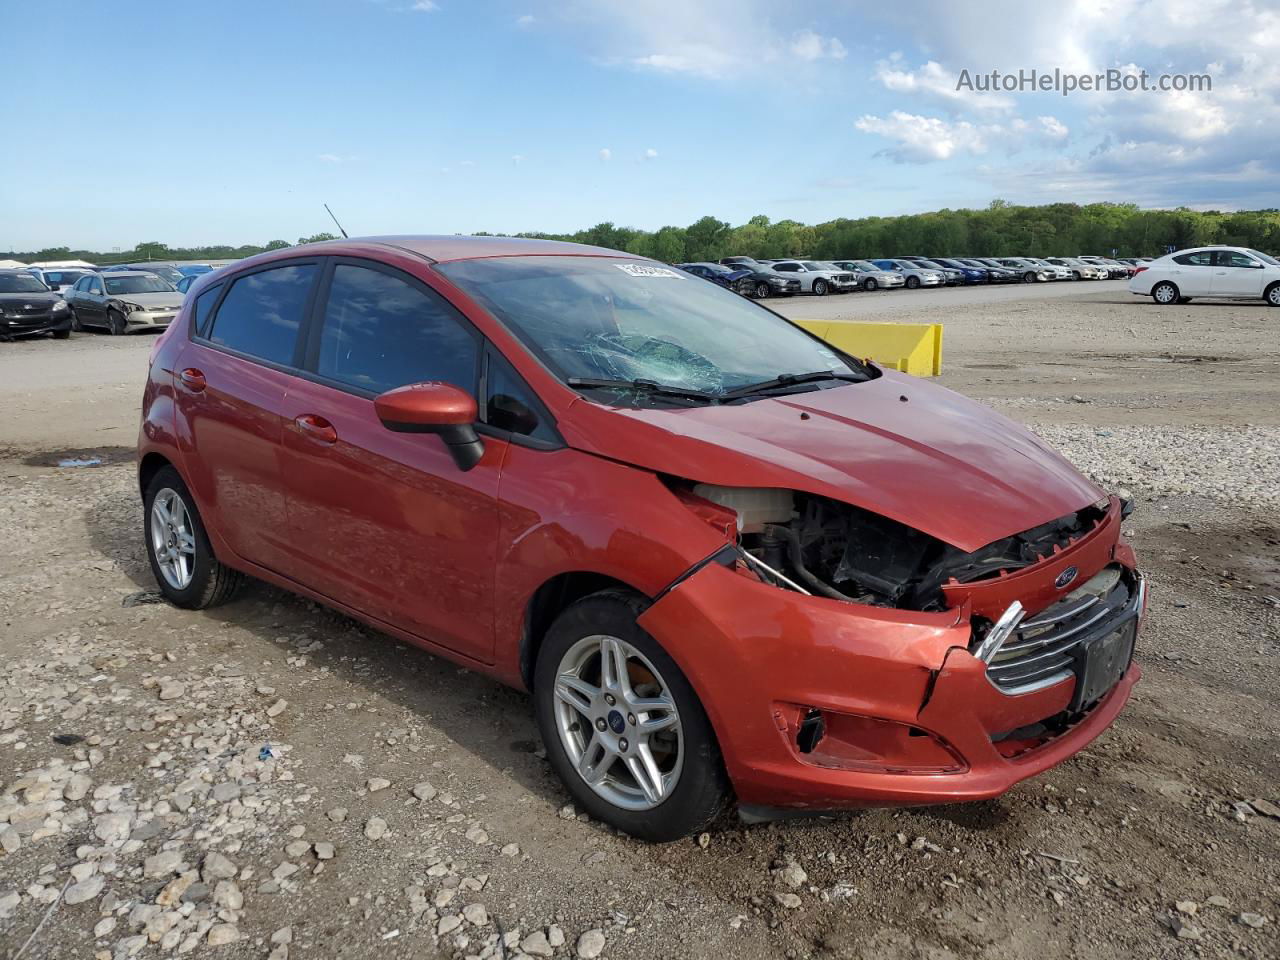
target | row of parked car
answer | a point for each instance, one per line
(787, 277)
(117, 298)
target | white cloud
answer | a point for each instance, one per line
(466, 163)
(517, 158)
(526, 20)
(710, 39)
(1053, 128)
(329, 158)
(606, 154)
(424, 6)
(808, 45)
(651, 154)
(924, 139)
(935, 82)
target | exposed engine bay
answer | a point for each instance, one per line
(836, 550)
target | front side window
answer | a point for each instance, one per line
(95, 286)
(262, 312)
(596, 318)
(380, 332)
(1230, 258)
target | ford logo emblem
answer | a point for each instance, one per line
(1065, 577)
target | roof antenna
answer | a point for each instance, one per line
(335, 220)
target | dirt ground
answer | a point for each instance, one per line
(172, 781)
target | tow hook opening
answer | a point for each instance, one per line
(843, 741)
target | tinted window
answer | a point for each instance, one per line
(204, 303)
(511, 405)
(262, 312)
(380, 332)
(1200, 259)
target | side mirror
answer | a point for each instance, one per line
(434, 407)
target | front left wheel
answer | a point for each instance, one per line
(182, 559)
(623, 728)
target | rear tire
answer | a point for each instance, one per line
(207, 582)
(116, 323)
(686, 756)
(1164, 293)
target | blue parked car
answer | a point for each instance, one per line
(971, 274)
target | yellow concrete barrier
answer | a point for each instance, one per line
(914, 348)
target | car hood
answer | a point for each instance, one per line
(165, 298)
(897, 446)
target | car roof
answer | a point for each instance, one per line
(443, 248)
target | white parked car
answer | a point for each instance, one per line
(816, 278)
(1223, 273)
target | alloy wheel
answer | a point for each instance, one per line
(618, 723)
(173, 539)
(762, 290)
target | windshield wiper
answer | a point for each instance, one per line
(788, 380)
(648, 387)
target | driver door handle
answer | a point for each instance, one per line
(317, 427)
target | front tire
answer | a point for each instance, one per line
(61, 334)
(623, 728)
(75, 321)
(1028, 277)
(116, 323)
(819, 288)
(869, 285)
(1164, 293)
(182, 559)
(762, 291)
(1272, 295)
(913, 283)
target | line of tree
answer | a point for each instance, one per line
(1001, 229)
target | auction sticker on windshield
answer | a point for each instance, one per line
(644, 270)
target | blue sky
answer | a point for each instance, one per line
(233, 121)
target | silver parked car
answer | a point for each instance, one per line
(871, 277)
(913, 274)
(1031, 272)
(1055, 271)
(1081, 270)
(122, 300)
(816, 278)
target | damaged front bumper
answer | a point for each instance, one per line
(822, 705)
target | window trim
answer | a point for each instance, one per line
(308, 362)
(307, 309)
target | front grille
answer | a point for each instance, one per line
(1041, 650)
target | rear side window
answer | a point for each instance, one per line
(204, 303)
(1200, 259)
(262, 312)
(380, 332)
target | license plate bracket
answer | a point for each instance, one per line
(1101, 663)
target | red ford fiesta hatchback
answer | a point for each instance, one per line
(727, 560)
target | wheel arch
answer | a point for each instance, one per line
(151, 464)
(550, 599)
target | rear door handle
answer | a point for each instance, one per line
(316, 427)
(192, 379)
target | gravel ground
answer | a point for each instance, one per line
(269, 779)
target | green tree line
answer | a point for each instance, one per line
(1001, 229)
